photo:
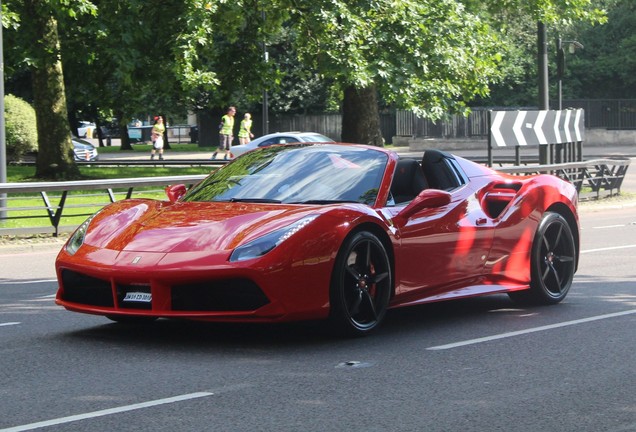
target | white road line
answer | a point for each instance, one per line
(49, 252)
(527, 331)
(9, 324)
(24, 282)
(609, 226)
(105, 412)
(608, 249)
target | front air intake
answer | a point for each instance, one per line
(218, 295)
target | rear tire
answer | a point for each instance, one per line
(552, 260)
(360, 285)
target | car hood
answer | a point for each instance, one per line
(158, 226)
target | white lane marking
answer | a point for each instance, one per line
(24, 282)
(608, 249)
(49, 252)
(105, 412)
(531, 330)
(9, 324)
(609, 226)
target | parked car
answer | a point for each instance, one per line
(84, 151)
(85, 129)
(279, 138)
(313, 231)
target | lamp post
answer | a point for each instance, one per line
(265, 96)
(542, 63)
(3, 147)
(573, 45)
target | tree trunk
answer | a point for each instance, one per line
(55, 150)
(122, 127)
(208, 128)
(360, 117)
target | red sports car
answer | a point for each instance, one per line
(324, 231)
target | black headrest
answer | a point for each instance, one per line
(408, 180)
(436, 170)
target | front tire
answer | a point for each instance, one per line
(360, 285)
(553, 261)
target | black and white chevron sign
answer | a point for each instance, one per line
(530, 128)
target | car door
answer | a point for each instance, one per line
(443, 248)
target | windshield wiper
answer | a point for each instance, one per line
(256, 200)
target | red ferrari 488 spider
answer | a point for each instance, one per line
(324, 231)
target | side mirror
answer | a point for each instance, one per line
(428, 198)
(175, 192)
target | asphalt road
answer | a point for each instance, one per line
(474, 365)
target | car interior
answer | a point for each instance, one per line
(408, 181)
(437, 171)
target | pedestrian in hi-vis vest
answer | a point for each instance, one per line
(157, 137)
(226, 133)
(245, 130)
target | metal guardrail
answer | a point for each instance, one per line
(591, 178)
(54, 211)
(144, 162)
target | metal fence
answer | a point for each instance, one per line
(328, 124)
(606, 113)
(177, 134)
(599, 114)
(452, 126)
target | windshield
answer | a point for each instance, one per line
(297, 174)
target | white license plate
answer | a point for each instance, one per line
(141, 297)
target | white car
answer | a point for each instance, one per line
(85, 129)
(279, 138)
(83, 151)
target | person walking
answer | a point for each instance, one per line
(245, 130)
(226, 133)
(157, 137)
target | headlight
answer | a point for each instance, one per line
(77, 239)
(266, 243)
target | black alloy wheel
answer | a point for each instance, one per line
(361, 285)
(553, 261)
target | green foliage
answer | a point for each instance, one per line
(605, 67)
(296, 88)
(20, 127)
(516, 24)
(559, 13)
(122, 55)
(430, 56)
(219, 57)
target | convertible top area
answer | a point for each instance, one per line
(438, 170)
